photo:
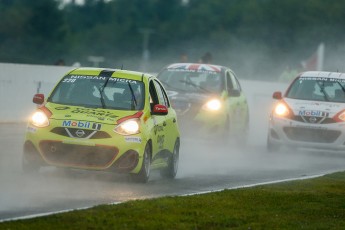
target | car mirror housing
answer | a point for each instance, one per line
(159, 110)
(277, 95)
(38, 98)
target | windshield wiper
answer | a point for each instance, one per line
(342, 87)
(101, 91)
(322, 88)
(133, 97)
(172, 87)
(196, 86)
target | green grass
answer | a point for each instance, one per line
(307, 204)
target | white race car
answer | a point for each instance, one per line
(311, 113)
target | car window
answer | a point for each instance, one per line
(202, 81)
(317, 89)
(118, 93)
(154, 99)
(235, 83)
(162, 96)
(229, 81)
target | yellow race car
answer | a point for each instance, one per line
(209, 101)
(104, 119)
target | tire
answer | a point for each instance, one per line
(144, 173)
(31, 161)
(271, 147)
(171, 171)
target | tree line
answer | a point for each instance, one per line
(254, 37)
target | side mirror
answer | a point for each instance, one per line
(38, 98)
(159, 110)
(277, 95)
(234, 93)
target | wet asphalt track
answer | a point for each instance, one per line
(203, 167)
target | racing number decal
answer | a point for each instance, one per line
(67, 80)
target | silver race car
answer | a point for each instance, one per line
(311, 113)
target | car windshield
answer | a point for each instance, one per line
(191, 81)
(99, 92)
(318, 89)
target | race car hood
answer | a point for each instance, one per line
(184, 101)
(77, 113)
(314, 108)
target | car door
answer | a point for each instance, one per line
(238, 108)
(159, 121)
(170, 120)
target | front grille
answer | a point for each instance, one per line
(315, 120)
(72, 132)
(78, 155)
(311, 135)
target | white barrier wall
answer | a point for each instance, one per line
(19, 82)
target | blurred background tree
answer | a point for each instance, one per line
(256, 38)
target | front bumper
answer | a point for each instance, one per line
(115, 153)
(288, 132)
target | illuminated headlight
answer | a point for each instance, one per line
(39, 119)
(128, 127)
(212, 105)
(281, 110)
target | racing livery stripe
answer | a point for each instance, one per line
(136, 115)
(106, 73)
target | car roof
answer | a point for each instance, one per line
(139, 76)
(196, 67)
(323, 74)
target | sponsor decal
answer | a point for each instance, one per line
(133, 139)
(322, 79)
(81, 124)
(94, 113)
(158, 128)
(160, 141)
(73, 78)
(313, 113)
(313, 79)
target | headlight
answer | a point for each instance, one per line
(128, 127)
(39, 119)
(212, 105)
(281, 110)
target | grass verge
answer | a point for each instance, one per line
(307, 204)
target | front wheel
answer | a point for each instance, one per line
(144, 173)
(171, 171)
(30, 159)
